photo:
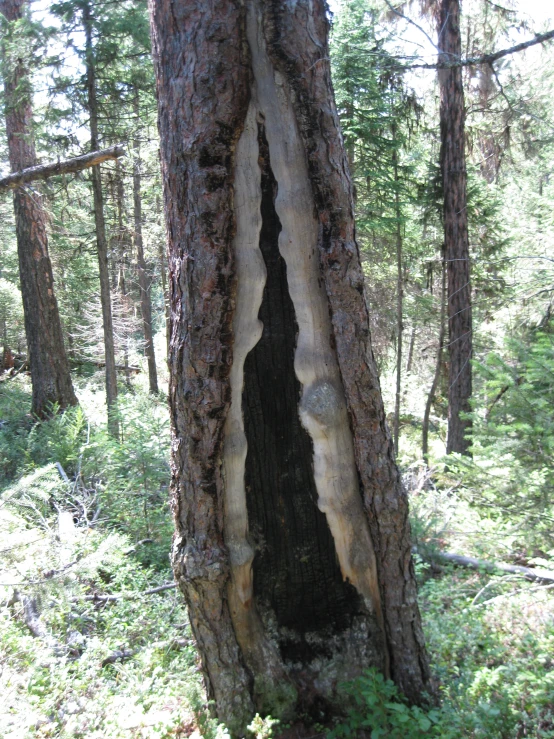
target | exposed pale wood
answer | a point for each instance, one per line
(323, 408)
(247, 329)
(66, 166)
(259, 652)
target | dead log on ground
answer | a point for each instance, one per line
(529, 573)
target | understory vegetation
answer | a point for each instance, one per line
(94, 638)
(91, 648)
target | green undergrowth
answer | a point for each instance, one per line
(491, 645)
(84, 516)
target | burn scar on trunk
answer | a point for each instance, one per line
(259, 652)
(322, 407)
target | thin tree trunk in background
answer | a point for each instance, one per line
(163, 272)
(281, 448)
(436, 377)
(454, 181)
(411, 351)
(122, 257)
(399, 299)
(7, 357)
(101, 240)
(144, 280)
(50, 375)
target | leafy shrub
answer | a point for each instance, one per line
(380, 709)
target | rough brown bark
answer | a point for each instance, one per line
(100, 225)
(144, 280)
(411, 351)
(454, 180)
(273, 637)
(67, 166)
(50, 376)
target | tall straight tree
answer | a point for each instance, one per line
(456, 241)
(292, 545)
(50, 375)
(100, 224)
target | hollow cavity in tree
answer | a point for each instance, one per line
(320, 426)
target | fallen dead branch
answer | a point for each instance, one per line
(529, 573)
(119, 655)
(67, 166)
(33, 622)
(97, 598)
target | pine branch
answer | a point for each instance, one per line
(540, 38)
(68, 166)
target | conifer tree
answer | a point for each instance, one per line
(456, 239)
(50, 375)
(376, 112)
(116, 46)
(292, 545)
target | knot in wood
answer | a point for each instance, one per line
(323, 403)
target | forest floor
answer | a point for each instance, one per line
(86, 651)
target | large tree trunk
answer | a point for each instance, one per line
(454, 180)
(50, 374)
(144, 280)
(292, 545)
(100, 225)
